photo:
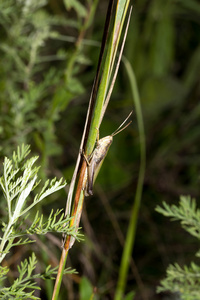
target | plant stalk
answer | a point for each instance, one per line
(130, 238)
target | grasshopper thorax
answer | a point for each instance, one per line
(106, 141)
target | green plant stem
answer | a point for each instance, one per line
(62, 264)
(97, 111)
(130, 238)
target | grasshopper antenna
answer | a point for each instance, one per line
(118, 130)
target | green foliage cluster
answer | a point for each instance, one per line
(39, 66)
(183, 280)
(18, 182)
(27, 280)
(38, 76)
(25, 285)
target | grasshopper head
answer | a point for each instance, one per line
(105, 142)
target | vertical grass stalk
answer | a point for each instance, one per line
(95, 111)
(130, 238)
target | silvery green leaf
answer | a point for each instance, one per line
(25, 193)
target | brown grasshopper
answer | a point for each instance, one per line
(97, 157)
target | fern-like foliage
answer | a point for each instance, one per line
(18, 181)
(187, 213)
(56, 223)
(183, 280)
(33, 89)
(25, 285)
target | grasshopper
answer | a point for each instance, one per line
(97, 157)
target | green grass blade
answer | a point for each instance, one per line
(107, 71)
(94, 126)
(130, 238)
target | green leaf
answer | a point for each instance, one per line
(86, 289)
(78, 7)
(130, 296)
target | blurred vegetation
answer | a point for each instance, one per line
(183, 280)
(49, 51)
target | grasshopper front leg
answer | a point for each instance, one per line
(85, 179)
(89, 175)
(88, 180)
